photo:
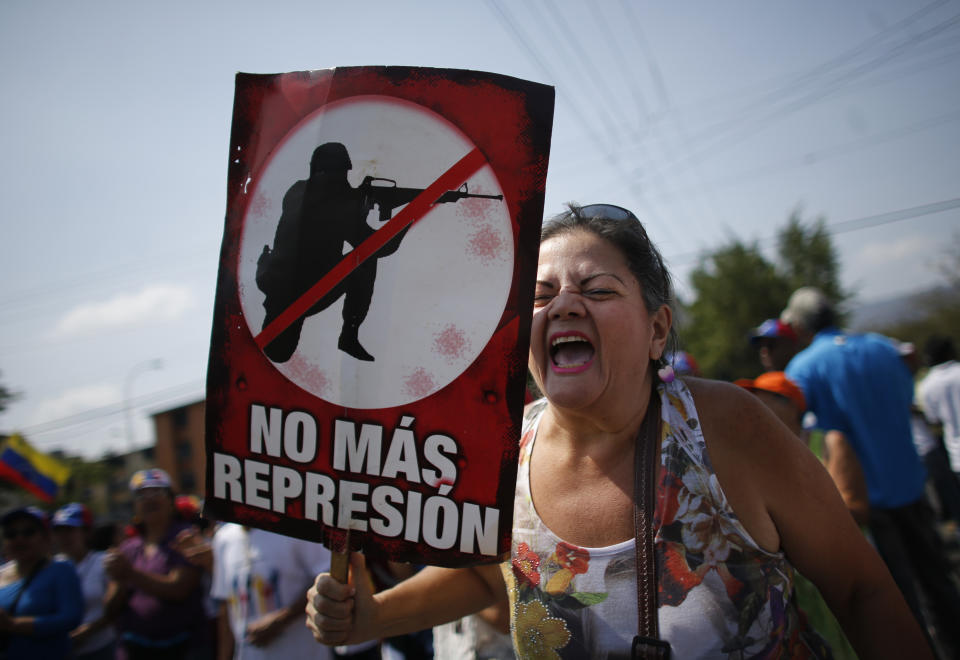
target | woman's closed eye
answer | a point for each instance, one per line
(542, 296)
(596, 293)
(599, 292)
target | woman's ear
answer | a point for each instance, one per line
(661, 322)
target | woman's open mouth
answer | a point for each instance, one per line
(570, 353)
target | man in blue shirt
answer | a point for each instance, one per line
(858, 384)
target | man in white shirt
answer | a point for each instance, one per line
(940, 394)
(262, 579)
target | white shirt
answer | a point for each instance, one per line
(471, 638)
(258, 572)
(940, 399)
(93, 584)
(923, 439)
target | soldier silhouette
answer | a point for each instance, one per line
(319, 215)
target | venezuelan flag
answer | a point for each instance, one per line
(32, 470)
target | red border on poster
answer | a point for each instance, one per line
(509, 121)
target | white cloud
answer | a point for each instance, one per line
(75, 400)
(161, 302)
(883, 269)
(887, 252)
(86, 421)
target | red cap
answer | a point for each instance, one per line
(188, 506)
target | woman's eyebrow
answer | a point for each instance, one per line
(586, 280)
(594, 276)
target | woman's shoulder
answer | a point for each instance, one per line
(711, 390)
(748, 448)
(727, 408)
(736, 423)
(728, 418)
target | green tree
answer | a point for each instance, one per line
(6, 397)
(807, 257)
(736, 288)
(83, 477)
(949, 266)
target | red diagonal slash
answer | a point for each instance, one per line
(411, 213)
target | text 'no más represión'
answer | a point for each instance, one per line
(391, 510)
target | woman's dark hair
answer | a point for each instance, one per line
(627, 234)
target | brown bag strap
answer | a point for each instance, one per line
(647, 643)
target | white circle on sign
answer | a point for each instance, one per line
(437, 300)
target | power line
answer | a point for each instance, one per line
(526, 43)
(784, 88)
(893, 216)
(925, 48)
(92, 414)
(583, 61)
(854, 224)
(620, 61)
(653, 65)
(820, 155)
(595, 77)
(680, 126)
(708, 105)
(744, 122)
(736, 129)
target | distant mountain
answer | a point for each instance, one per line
(882, 313)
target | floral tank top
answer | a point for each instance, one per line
(720, 595)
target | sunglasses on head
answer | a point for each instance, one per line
(607, 212)
(16, 532)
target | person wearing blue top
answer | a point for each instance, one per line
(40, 598)
(95, 638)
(858, 384)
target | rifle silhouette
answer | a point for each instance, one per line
(390, 196)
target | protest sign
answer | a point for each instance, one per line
(368, 356)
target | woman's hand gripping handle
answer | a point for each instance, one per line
(343, 613)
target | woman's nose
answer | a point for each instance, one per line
(565, 304)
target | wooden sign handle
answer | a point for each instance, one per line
(340, 557)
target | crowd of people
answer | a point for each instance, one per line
(883, 450)
(170, 585)
(655, 512)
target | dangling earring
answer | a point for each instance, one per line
(665, 372)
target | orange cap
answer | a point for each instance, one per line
(778, 383)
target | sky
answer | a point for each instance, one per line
(712, 121)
